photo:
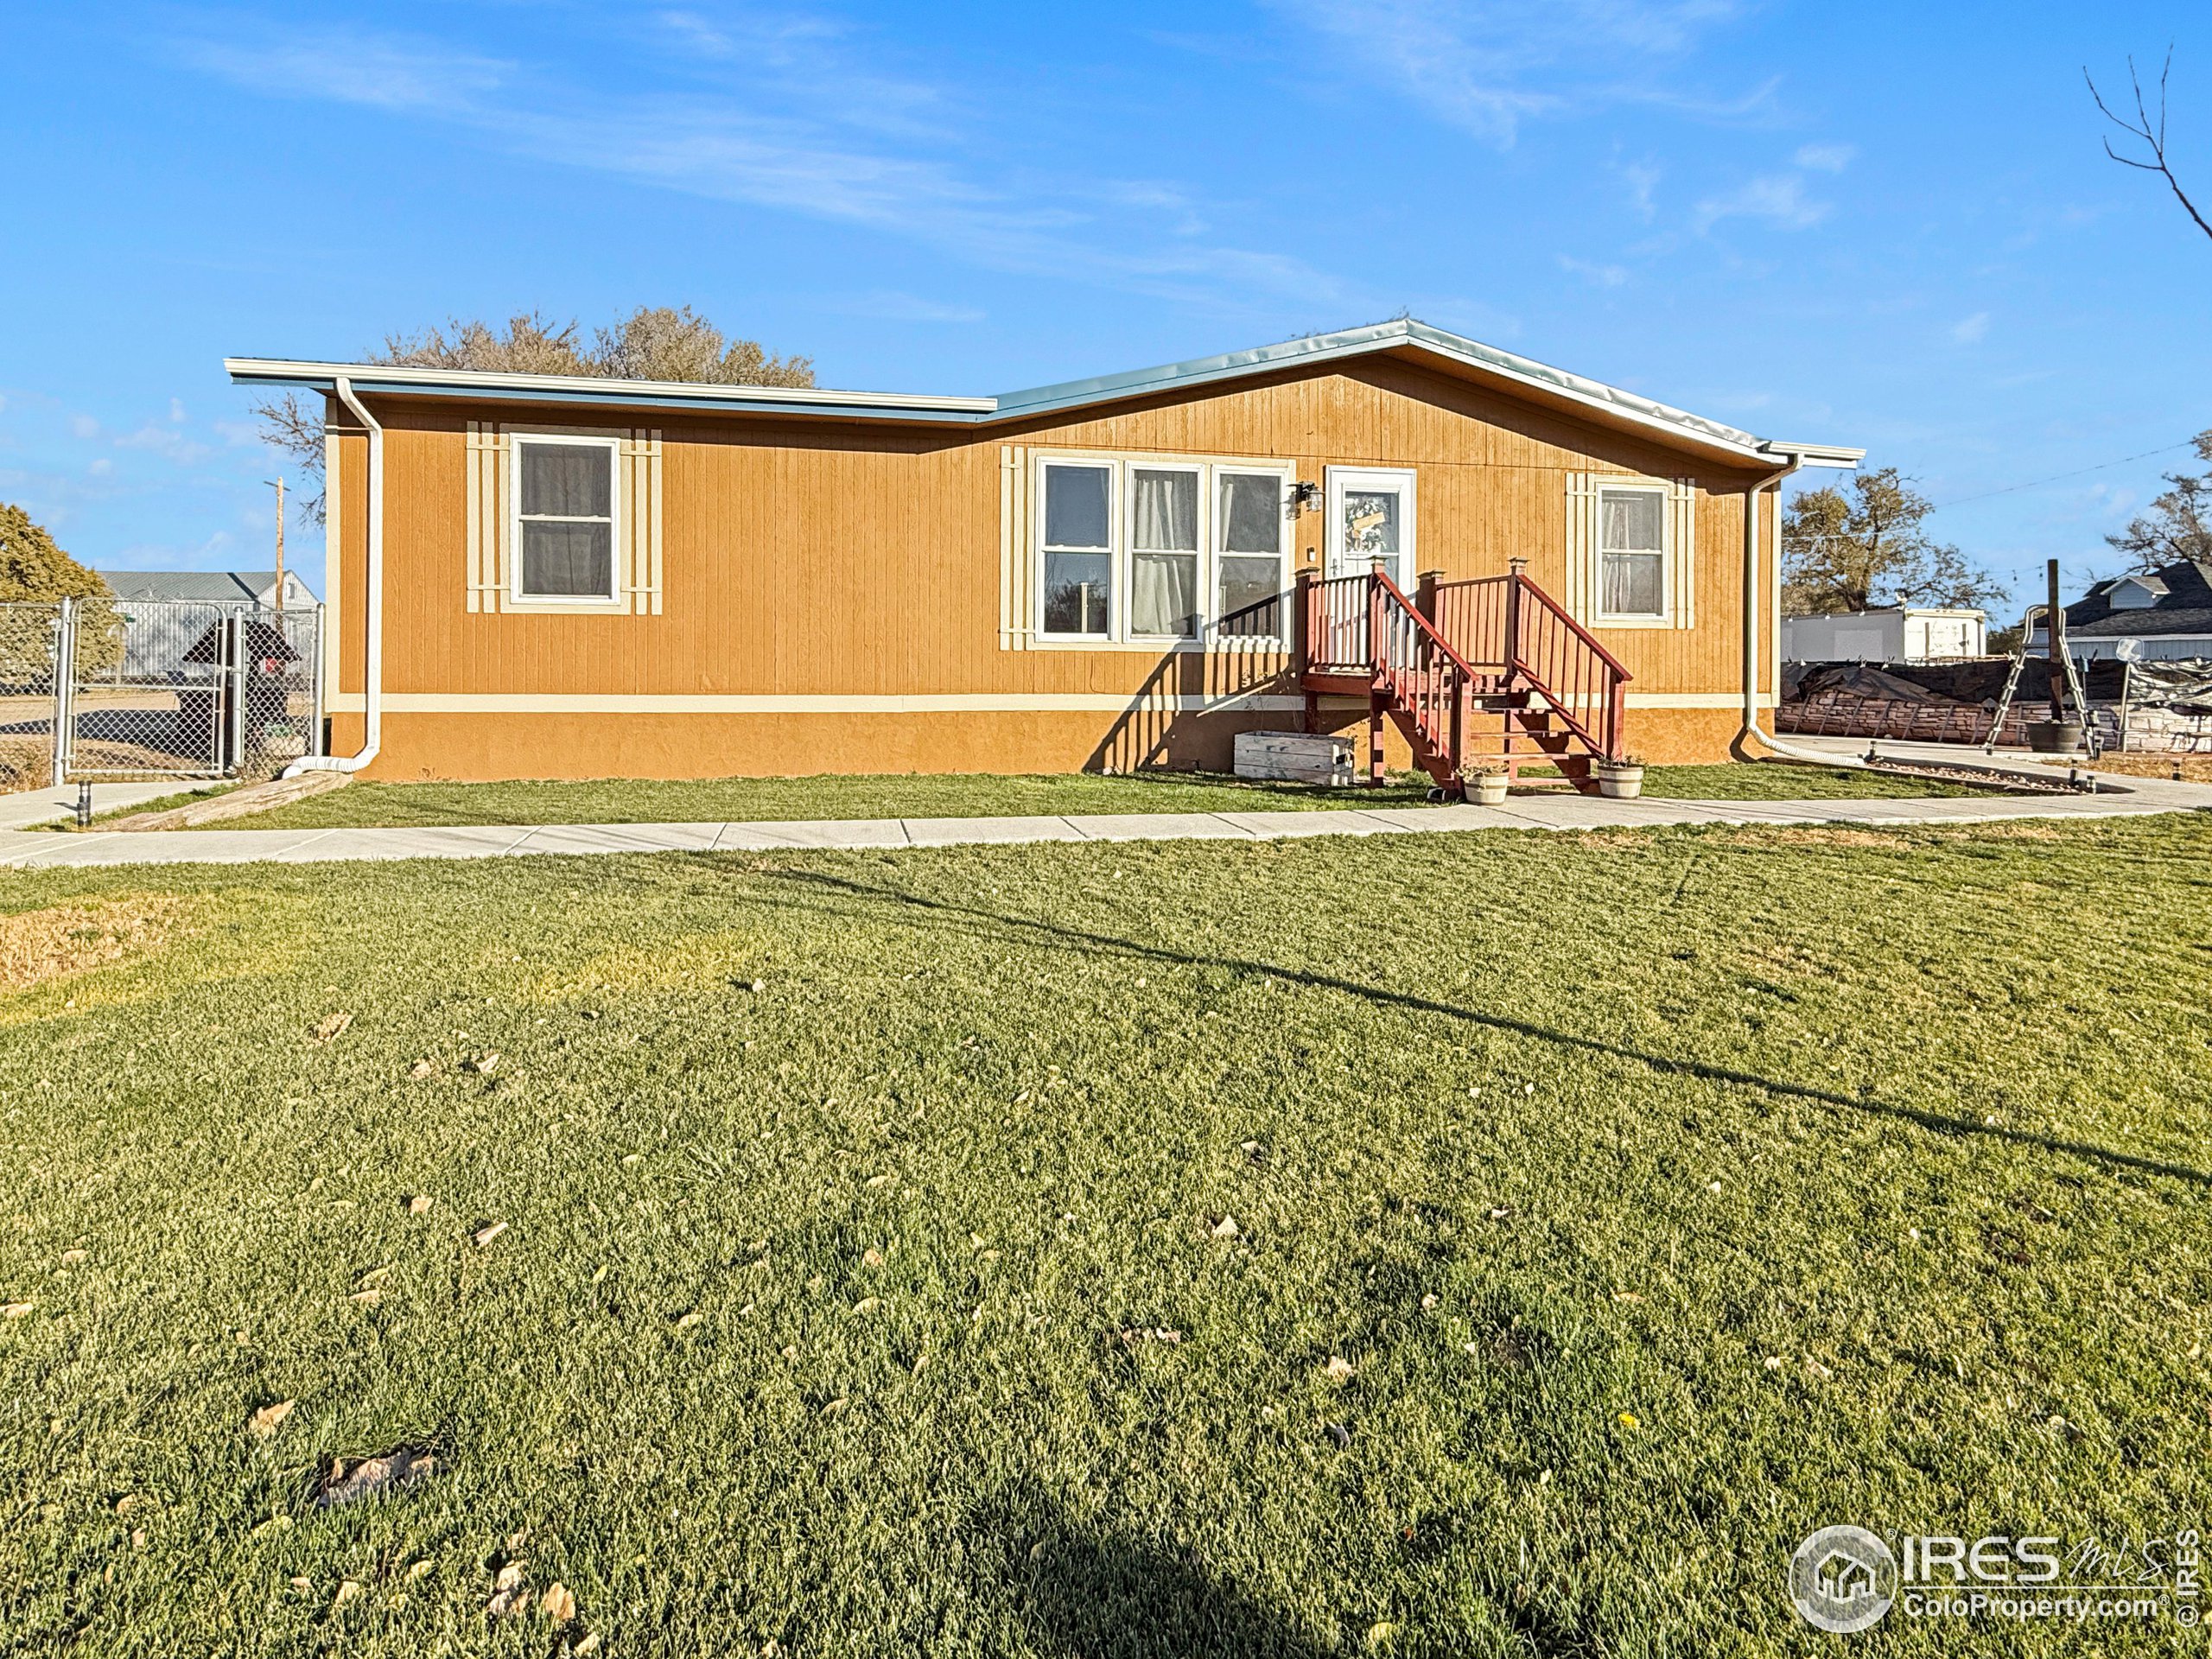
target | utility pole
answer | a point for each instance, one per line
(2054, 634)
(279, 483)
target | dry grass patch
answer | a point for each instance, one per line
(2195, 768)
(703, 962)
(37, 946)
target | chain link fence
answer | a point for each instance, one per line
(30, 655)
(152, 688)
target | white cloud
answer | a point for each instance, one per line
(1970, 331)
(101, 467)
(1643, 181)
(1779, 199)
(1826, 158)
(83, 426)
(348, 66)
(1601, 276)
(805, 138)
(165, 440)
(1487, 66)
(177, 409)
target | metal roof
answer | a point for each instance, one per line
(1404, 337)
(219, 587)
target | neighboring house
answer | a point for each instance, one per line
(2161, 616)
(540, 575)
(170, 611)
(1905, 633)
(209, 587)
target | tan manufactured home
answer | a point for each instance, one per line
(1476, 559)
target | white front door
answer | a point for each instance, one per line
(1371, 522)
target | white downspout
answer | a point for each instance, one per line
(1751, 608)
(372, 653)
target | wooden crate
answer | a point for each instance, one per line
(1295, 757)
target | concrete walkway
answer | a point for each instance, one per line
(45, 850)
(31, 806)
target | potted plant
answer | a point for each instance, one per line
(1621, 779)
(1488, 788)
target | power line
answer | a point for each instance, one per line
(2079, 472)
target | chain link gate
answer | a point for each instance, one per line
(98, 691)
(31, 643)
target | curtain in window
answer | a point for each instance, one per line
(567, 481)
(1633, 561)
(1251, 513)
(1633, 585)
(1164, 594)
(1633, 521)
(1168, 511)
(567, 561)
(1249, 567)
(1164, 568)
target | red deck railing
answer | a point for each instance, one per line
(1490, 636)
(1555, 657)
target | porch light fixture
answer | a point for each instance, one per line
(1304, 496)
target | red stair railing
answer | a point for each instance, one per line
(1511, 622)
(1581, 682)
(1489, 637)
(1416, 667)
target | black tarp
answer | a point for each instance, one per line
(1977, 681)
(2183, 685)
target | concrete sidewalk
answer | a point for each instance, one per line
(51, 805)
(46, 850)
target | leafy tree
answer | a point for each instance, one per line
(651, 343)
(32, 568)
(2178, 525)
(1846, 550)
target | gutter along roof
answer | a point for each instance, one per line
(1403, 338)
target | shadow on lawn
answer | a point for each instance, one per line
(1130, 1597)
(1050, 933)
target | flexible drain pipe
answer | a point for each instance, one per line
(373, 652)
(1752, 605)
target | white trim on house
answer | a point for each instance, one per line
(1663, 493)
(1022, 551)
(953, 702)
(1585, 553)
(1110, 621)
(1405, 482)
(518, 596)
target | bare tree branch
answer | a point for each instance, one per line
(291, 422)
(2152, 134)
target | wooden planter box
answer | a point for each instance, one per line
(1295, 757)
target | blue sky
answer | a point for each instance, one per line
(1887, 225)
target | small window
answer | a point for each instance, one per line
(564, 520)
(1078, 549)
(1632, 553)
(1164, 551)
(1249, 526)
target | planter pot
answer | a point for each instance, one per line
(1619, 783)
(1487, 789)
(2055, 736)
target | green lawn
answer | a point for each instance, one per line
(963, 796)
(865, 1286)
